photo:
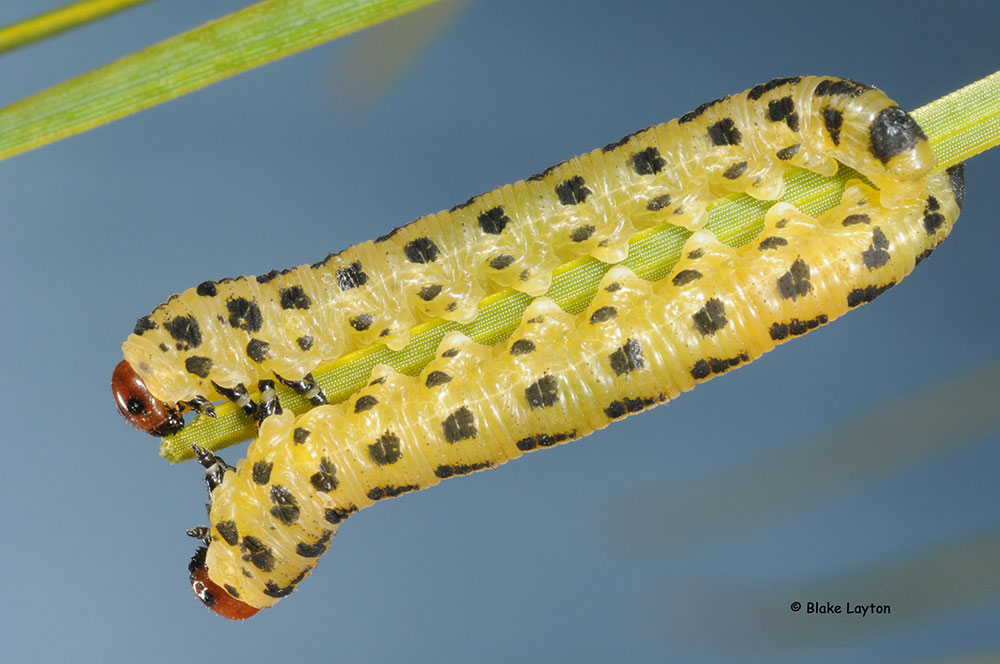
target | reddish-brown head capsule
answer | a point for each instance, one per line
(140, 408)
(211, 595)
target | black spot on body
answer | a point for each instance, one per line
(696, 253)
(543, 440)
(710, 318)
(244, 314)
(543, 393)
(840, 86)
(257, 553)
(184, 330)
(325, 479)
(522, 347)
(199, 366)
(258, 350)
(735, 171)
(724, 132)
(853, 219)
(272, 589)
(893, 132)
(876, 255)
(620, 408)
(300, 435)
(436, 378)
(337, 514)
(228, 532)
(691, 115)
(603, 314)
(294, 297)
(421, 250)
(783, 109)
(685, 277)
(428, 293)
(795, 283)
(266, 277)
(713, 365)
(385, 450)
(833, 120)
(351, 276)
(500, 262)
(582, 233)
(231, 589)
(956, 178)
(261, 473)
(796, 327)
(932, 221)
(286, 507)
(305, 342)
(144, 324)
(364, 403)
(382, 238)
(627, 359)
(647, 162)
(758, 91)
(460, 425)
(867, 294)
(314, 550)
(772, 242)
(573, 191)
(362, 322)
(207, 289)
(494, 220)
(446, 471)
(378, 493)
(784, 154)
(658, 203)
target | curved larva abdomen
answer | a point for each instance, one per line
(558, 377)
(237, 331)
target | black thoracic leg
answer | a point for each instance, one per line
(215, 468)
(202, 405)
(307, 388)
(204, 533)
(239, 396)
(269, 404)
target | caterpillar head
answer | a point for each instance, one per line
(211, 595)
(873, 135)
(139, 407)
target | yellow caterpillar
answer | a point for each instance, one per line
(638, 344)
(215, 340)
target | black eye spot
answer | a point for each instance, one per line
(135, 406)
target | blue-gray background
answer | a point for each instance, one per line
(681, 535)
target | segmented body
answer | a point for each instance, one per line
(234, 332)
(559, 377)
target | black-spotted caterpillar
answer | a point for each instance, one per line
(558, 377)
